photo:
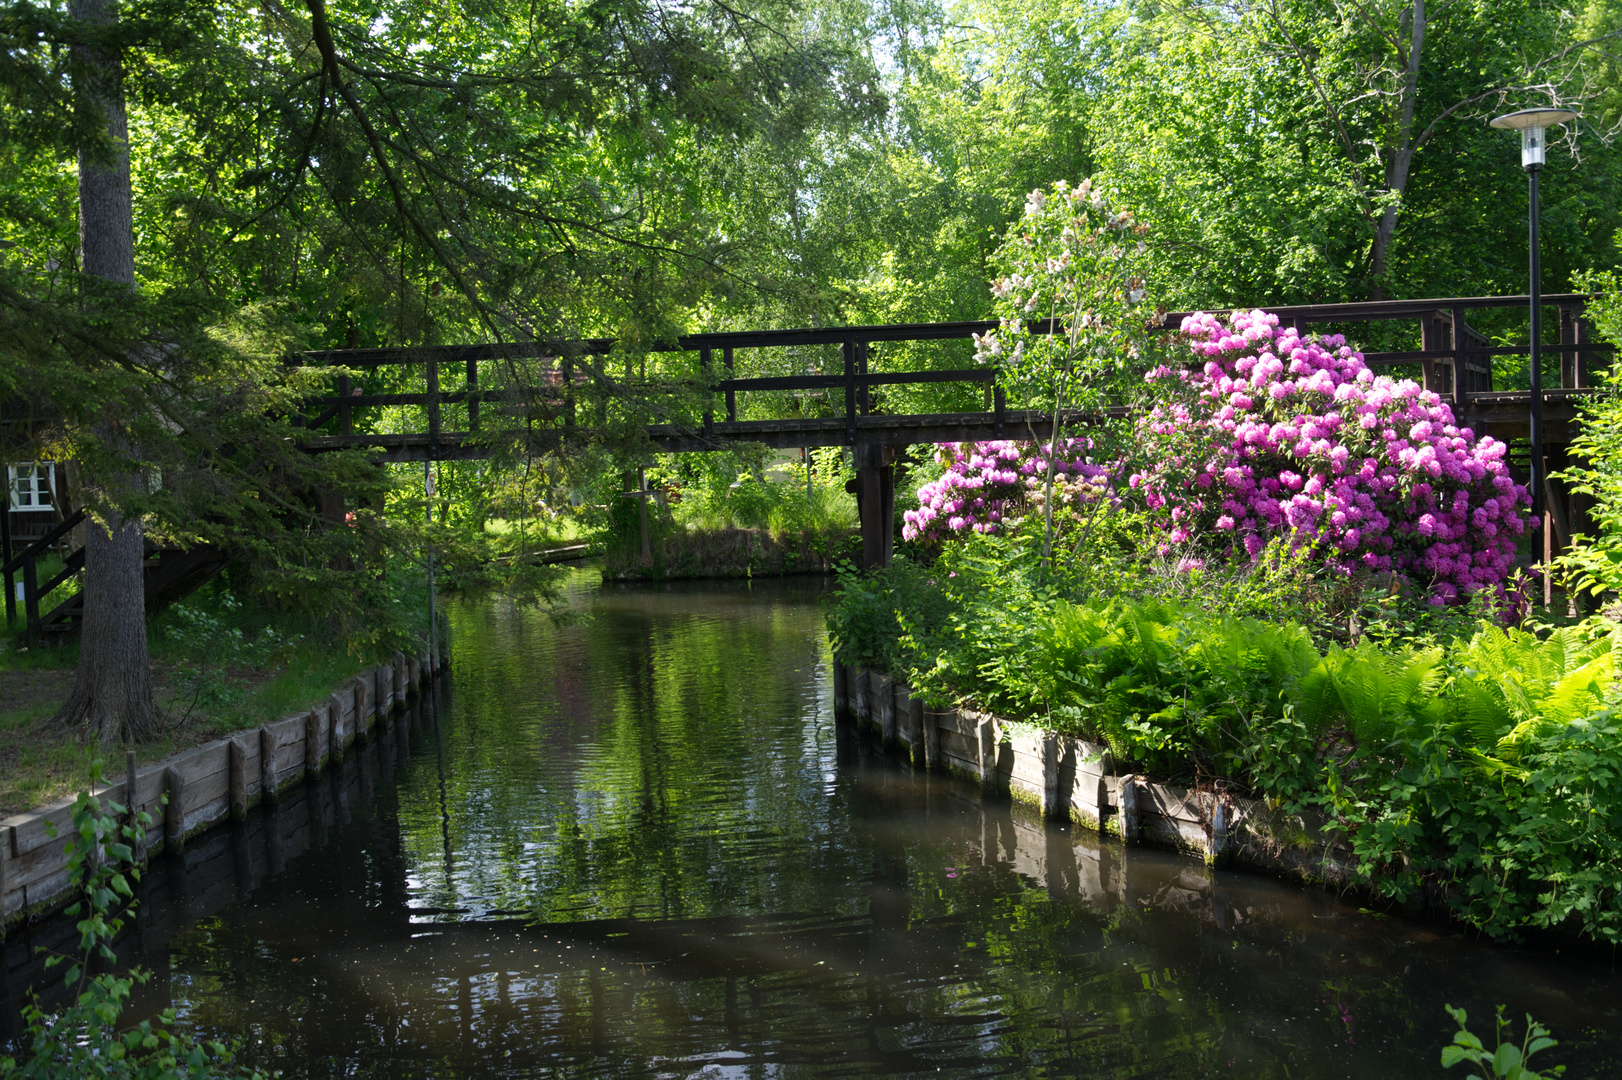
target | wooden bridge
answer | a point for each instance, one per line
(1454, 359)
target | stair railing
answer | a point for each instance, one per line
(26, 562)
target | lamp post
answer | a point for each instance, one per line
(1532, 123)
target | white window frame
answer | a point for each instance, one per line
(31, 486)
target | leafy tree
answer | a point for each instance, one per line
(407, 174)
(1593, 564)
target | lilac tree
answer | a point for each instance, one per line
(1066, 300)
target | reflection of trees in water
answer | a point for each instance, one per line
(567, 806)
(894, 925)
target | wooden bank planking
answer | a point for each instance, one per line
(217, 868)
(33, 864)
(1074, 780)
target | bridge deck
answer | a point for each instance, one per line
(1502, 415)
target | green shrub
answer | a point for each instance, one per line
(86, 1039)
(1481, 767)
(1506, 1060)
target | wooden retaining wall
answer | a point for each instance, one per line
(1072, 779)
(214, 870)
(205, 785)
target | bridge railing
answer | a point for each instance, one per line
(1456, 361)
(565, 379)
(1456, 358)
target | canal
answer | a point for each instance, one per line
(633, 844)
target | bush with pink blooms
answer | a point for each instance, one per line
(1275, 436)
(987, 486)
(1296, 436)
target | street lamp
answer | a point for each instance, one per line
(1532, 123)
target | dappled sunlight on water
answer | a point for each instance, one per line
(637, 846)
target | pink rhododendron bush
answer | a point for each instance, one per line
(1295, 435)
(1276, 436)
(986, 486)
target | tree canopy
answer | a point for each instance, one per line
(341, 173)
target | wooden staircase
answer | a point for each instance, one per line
(171, 574)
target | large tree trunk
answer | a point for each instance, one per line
(112, 690)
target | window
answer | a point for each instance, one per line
(32, 485)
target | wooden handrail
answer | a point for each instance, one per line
(1455, 357)
(38, 547)
(1361, 311)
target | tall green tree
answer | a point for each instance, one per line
(344, 174)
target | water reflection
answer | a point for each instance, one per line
(636, 846)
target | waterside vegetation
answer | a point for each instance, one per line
(740, 513)
(225, 659)
(1294, 580)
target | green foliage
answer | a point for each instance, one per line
(1593, 565)
(1469, 764)
(1507, 1060)
(86, 1038)
(213, 642)
(734, 513)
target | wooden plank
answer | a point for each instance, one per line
(5, 880)
(1028, 764)
(1176, 803)
(30, 831)
(289, 735)
(932, 721)
(988, 752)
(208, 785)
(960, 748)
(1162, 831)
(1126, 798)
(284, 743)
(1050, 760)
(250, 744)
(237, 752)
(315, 731)
(174, 810)
(884, 708)
(861, 698)
(362, 718)
(339, 707)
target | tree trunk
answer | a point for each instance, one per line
(1400, 157)
(112, 689)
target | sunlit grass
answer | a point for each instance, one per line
(218, 665)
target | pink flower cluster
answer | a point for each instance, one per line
(987, 485)
(1297, 435)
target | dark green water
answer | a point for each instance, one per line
(636, 846)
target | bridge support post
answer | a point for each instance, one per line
(874, 488)
(1433, 338)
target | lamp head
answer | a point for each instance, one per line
(1531, 123)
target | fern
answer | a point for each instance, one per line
(1514, 684)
